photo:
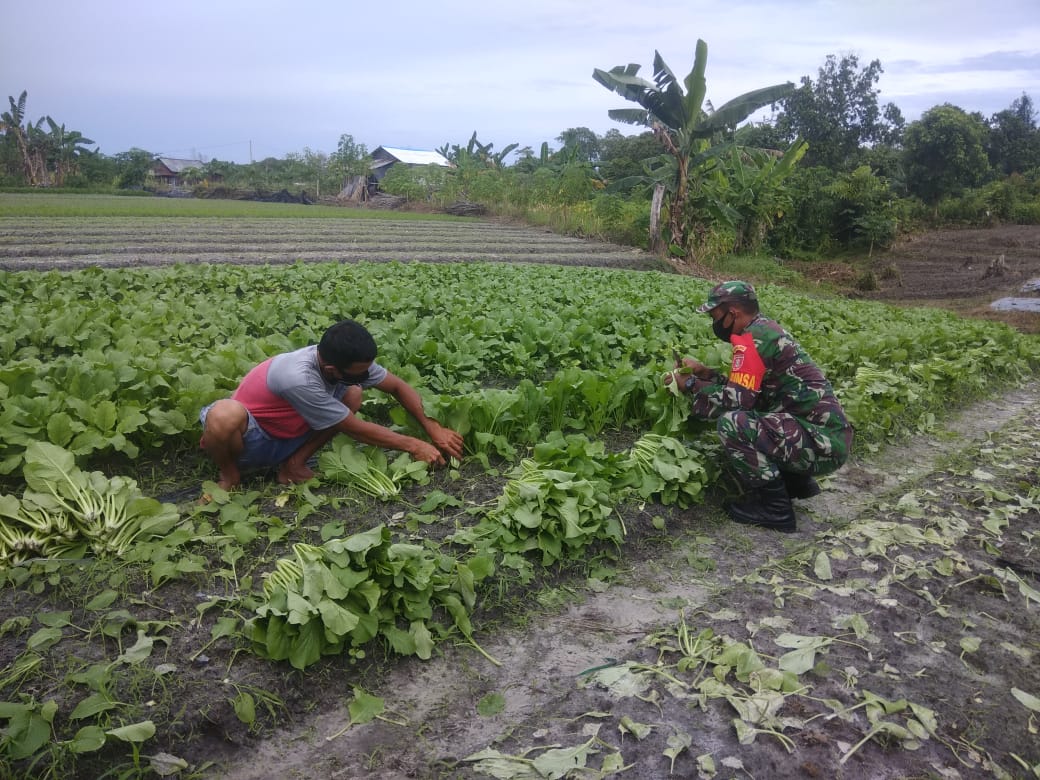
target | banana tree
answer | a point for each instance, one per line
(756, 194)
(67, 148)
(476, 153)
(40, 148)
(11, 124)
(690, 134)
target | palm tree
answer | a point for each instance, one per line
(689, 133)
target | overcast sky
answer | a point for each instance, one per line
(230, 79)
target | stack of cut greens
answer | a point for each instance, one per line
(338, 596)
(662, 466)
(66, 513)
(367, 469)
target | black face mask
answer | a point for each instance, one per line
(723, 332)
(353, 379)
(344, 377)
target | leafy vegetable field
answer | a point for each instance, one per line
(146, 634)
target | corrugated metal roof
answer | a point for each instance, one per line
(415, 156)
(176, 166)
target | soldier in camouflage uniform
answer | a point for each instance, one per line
(776, 412)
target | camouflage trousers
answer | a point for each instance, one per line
(758, 446)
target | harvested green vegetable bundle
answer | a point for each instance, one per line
(66, 512)
(662, 466)
(366, 468)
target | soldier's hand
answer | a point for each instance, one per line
(695, 367)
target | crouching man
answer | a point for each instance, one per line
(776, 412)
(291, 405)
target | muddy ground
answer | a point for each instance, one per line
(911, 578)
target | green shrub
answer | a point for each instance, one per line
(418, 183)
(807, 224)
(1026, 213)
(968, 209)
(868, 282)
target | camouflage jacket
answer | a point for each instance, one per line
(770, 373)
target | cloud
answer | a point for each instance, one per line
(1002, 61)
(212, 76)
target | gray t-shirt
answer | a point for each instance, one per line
(296, 377)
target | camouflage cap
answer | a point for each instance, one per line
(728, 292)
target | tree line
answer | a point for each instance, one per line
(830, 169)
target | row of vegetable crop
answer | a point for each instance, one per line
(327, 599)
(559, 505)
(528, 363)
(98, 361)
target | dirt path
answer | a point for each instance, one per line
(746, 585)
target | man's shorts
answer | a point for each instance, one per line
(260, 449)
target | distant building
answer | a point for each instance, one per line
(385, 157)
(170, 170)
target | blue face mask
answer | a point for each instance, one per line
(723, 332)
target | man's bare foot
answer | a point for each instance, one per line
(291, 474)
(229, 479)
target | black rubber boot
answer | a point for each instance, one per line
(800, 485)
(767, 507)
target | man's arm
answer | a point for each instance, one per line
(446, 440)
(295, 468)
(380, 436)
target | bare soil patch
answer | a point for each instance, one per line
(964, 270)
(960, 264)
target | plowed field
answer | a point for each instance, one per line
(111, 242)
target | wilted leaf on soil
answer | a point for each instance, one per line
(621, 681)
(491, 704)
(677, 743)
(822, 566)
(1027, 699)
(141, 649)
(164, 764)
(364, 707)
(803, 657)
(970, 644)
(560, 762)
(637, 730)
(502, 766)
